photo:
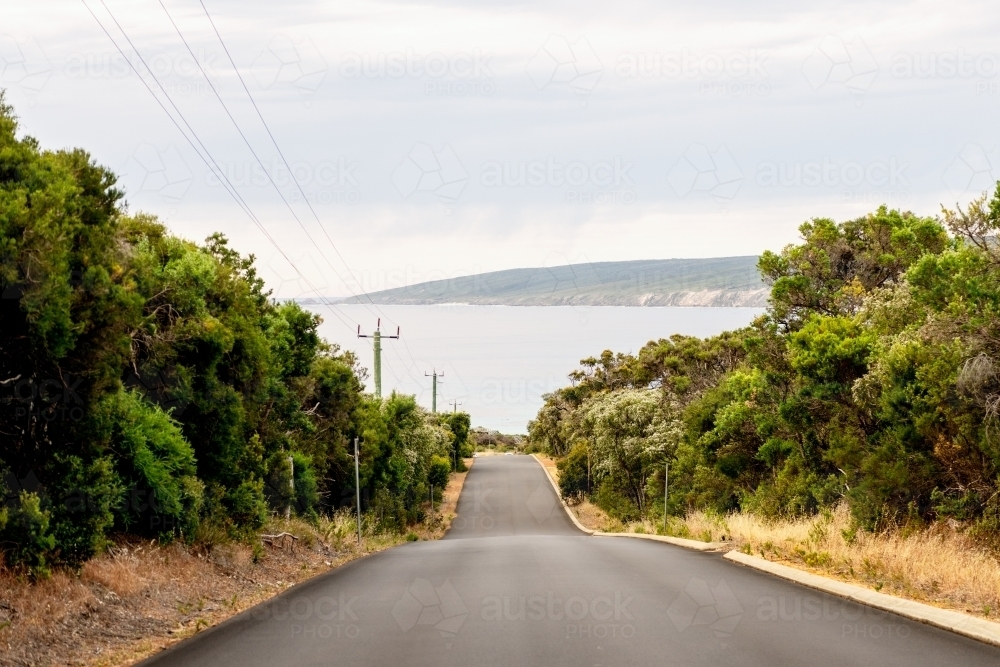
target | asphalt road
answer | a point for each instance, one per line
(514, 583)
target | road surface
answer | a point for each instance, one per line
(514, 583)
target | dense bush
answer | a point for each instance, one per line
(873, 378)
(155, 465)
(151, 386)
(438, 473)
(459, 424)
(574, 472)
(26, 528)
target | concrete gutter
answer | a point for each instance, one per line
(957, 622)
(697, 545)
(555, 487)
(953, 621)
(676, 541)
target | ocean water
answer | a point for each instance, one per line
(498, 361)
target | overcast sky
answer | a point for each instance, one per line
(440, 139)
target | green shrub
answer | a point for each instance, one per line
(223, 381)
(156, 467)
(26, 536)
(277, 486)
(573, 473)
(615, 503)
(84, 495)
(439, 472)
(306, 488)
(303, 497)
(247, 507)
(390, 513)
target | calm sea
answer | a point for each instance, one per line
(498, 361)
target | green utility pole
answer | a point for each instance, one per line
(377, 371)
(434, 388)
(455, 405)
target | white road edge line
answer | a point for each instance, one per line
(955, 621)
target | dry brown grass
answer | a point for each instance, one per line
(139, 597)
(937, 565)
(445, 513)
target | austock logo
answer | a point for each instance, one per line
(297, 276)
(599, 617)
(323, 182)
(974, 170)
(702, 605)
(325, 617)
(162, 172)
(23, 64)
(13, 486)
(426, 170)
(946, 65)
(45, 399)
(423, 604)
(837, 62)
(160, 386)
(290, 61)
(17, 288)
(733, 73)
(700, 170)
(601, 182)
(454, 75)
(560, 63)
(541, 502)
(479, 516)
(857, 621)
(179, 73)
(516, 391)
(136, 501)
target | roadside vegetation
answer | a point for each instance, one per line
(164, 423)
(864, 405)
(486, 440)
(150, 387)
(139, 596)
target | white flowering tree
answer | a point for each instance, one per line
(631, 431)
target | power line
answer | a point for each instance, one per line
(270, 179)
(250, 147)
(209, 161)
(191, 136)
(291, 172)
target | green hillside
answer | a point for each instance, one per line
(719, 281)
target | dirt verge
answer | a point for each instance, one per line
(139, 597)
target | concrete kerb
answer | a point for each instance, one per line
(555, 487)
(676, 541)
(953, 621)
(957, 622)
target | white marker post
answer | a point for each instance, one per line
(357, 488)
(666, 483)
(291, 485)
